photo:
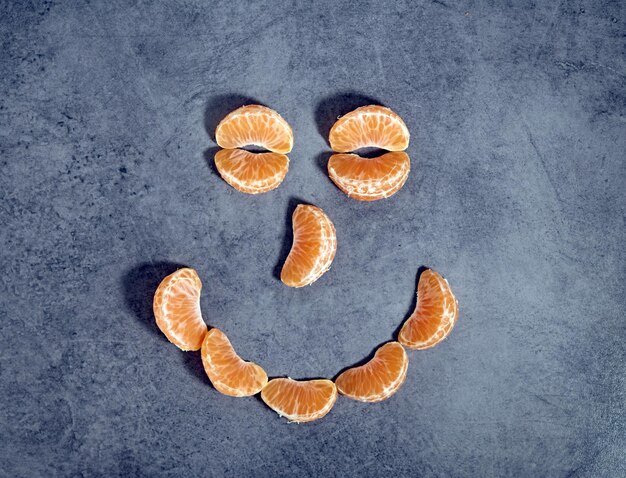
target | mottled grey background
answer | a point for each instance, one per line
(517, 195)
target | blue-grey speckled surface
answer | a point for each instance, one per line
(517, 195)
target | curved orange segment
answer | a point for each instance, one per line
(369, 179)
(369, 126)
(228, 373)
(251, 173)
(255, 125)
(435, 314)
(313, 249)
(300, 400)
(379, 378)
(176, 308)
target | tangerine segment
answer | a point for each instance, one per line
(251, 173)
(255, 125)
(313, 249)
(228, 373)
(369, 179)
(300, 400)
(369, 126)
(435, 314)
(379, 378)
(176, 308)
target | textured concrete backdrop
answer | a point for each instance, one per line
(517, 195)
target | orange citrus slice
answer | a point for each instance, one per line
(300, 400)
(313, 249)
(251, 173)
(228, 373)
(255, 125)
(176, 308)
(368, 179)
(369, 126)
(379, 378)
(435, 314)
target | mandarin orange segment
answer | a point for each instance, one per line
(368, 179)
(379, 378)
(228, 373)
(176, 308)
(300, 400)
(251, 173)
(313, 249)
(369, 126)
(255, 125)
(435, 314)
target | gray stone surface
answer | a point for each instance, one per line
(517, 115)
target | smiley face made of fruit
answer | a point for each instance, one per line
(177, 299)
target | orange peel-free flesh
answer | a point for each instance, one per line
(229, 373)
(379, 378)
(435, 314)
(255, 125)
(176, 308)
(369, 126)
(300, 400)
(369, 179)
(313, 249)
(251, 173)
